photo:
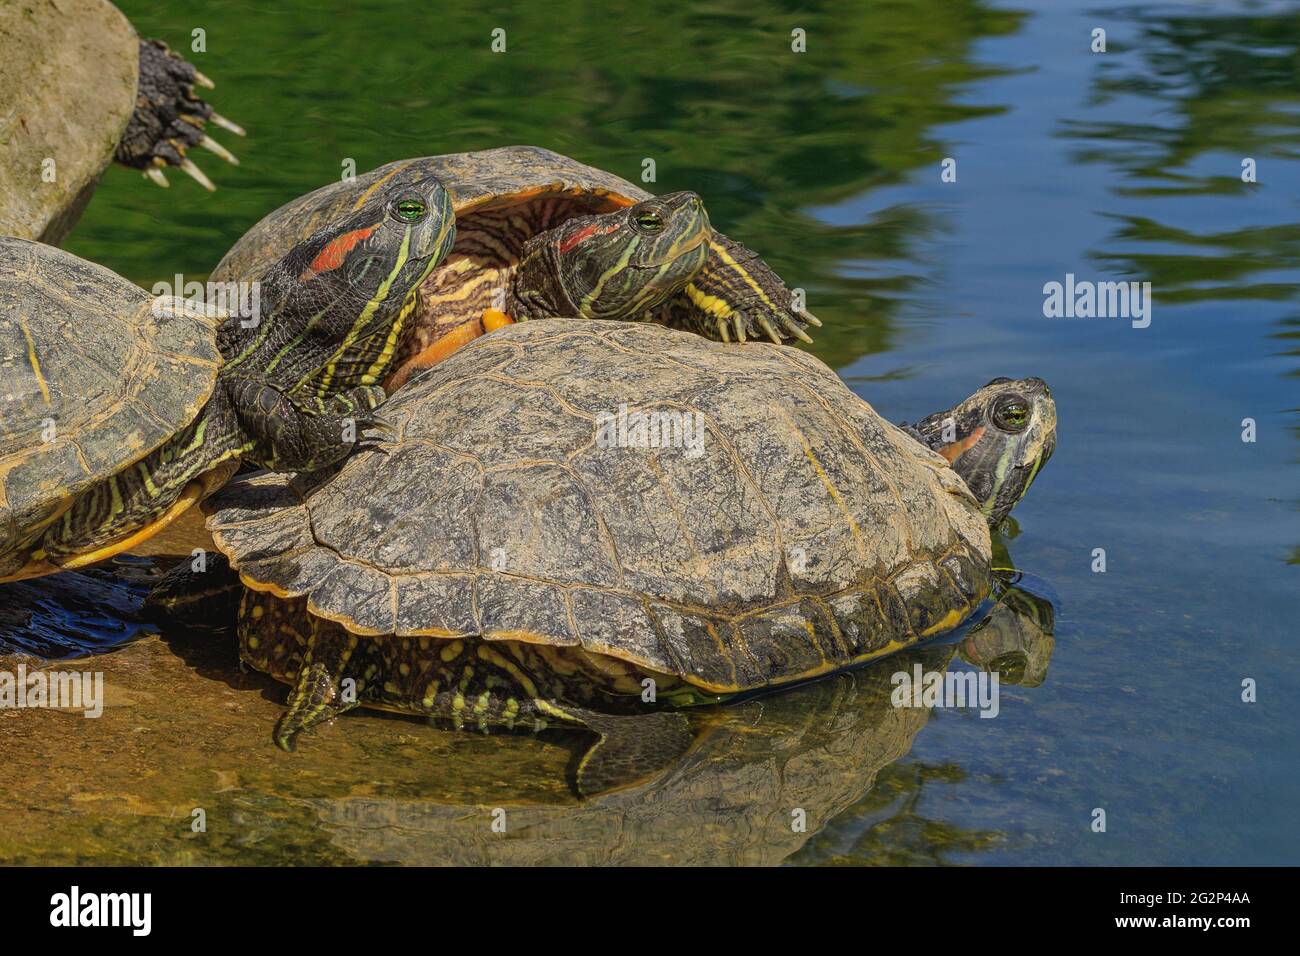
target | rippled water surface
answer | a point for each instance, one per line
(1123, 692)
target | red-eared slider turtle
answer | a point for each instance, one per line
(119, 410)
(78, 89)
(570, 514)
(534, 230)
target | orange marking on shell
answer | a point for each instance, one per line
(332, 256)
(955, 450)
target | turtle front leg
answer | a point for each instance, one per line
(170, 118)
(736, 295)
(290, 435)
(317, 694)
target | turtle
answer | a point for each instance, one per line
(78, 89)
(594, 523)
(534, 235)
(121, 409)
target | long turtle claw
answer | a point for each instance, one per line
(169, 118)
(210, 144)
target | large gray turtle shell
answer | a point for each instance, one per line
(806, 533)
(92, 378)
(68, 76)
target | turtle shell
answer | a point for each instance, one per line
(68, 76)
(479, 183)
(783, 529)
(95, 376)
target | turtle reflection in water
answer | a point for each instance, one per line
(493, 565)
(818, 748)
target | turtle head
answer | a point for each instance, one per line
(352, 283)
(615, 265)
(997, 440)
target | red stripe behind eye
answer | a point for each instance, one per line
(586, 232)
(576, 238)
(332, 256)
(958, 448)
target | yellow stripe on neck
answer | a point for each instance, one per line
(381, 294)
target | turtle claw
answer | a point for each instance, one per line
(210, 144)
(238, 130)
(810, 318)
(771, 331)
(740, 327)
(284, 734)
(187, 166)
(375, 434)
(795, 329)
(372, 443)
(155, 174)
(722, 330)
(203, 81)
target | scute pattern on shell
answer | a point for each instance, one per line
(474, 180)
(494, 511)
(81, 348)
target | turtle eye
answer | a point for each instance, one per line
(649, 220)
(408, 210)
(1011, 413)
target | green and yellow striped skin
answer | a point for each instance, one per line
(467, 683)
(737, 296)
(297, 385)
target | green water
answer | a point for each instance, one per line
(1122, 165)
